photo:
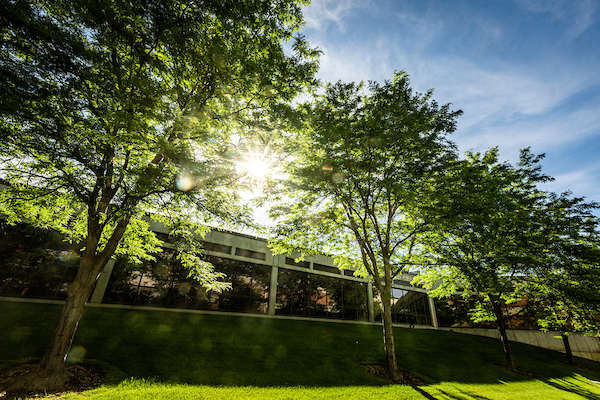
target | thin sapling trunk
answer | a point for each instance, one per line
(510, 362)
(391, 365)
(568, 351)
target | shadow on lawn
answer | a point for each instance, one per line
(424, 393)
(463, 396)
(570, 387)
(246, 351)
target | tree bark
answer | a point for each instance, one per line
(391, 365)
(51, 372)
(510, 362)
(565, 339)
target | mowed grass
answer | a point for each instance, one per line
(173, 355)
(571, 388)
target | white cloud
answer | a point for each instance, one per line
(580, 182)
(502, 106)
(579, 14)
(510, 106)
(322, 13)
(355, 62)
(550, 134)
(509, 103)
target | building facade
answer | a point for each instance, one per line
(262, 283)
(43, 267)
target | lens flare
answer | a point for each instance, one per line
(67, 256)
(184, 183)
(337, 177)
(76, 355)
(255, 167)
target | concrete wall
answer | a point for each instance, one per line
(583, 346)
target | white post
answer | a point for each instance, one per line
(102, 282)
(433, 313)
(273, 290)
(370, 302)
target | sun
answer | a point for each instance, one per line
(255, 167)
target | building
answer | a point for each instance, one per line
(261, 282)
(36, 265)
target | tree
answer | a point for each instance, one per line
(115, 110)
(485, 234)
(357, 175)
(564, 292)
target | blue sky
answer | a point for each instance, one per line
(525, 73)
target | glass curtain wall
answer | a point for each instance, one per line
(165, 283)
(455, 312)
(35, 263)
(408, 307)
(311, 295)
(38, 264)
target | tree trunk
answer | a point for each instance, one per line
(51, 372)
(510, 362)
(565, 339)
(391, 365)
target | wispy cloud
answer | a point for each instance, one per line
(501, 105)
(349, 64)
(320, 14)
(579, 14)
(516, 109)
(581, 181)
(516, 85)
(543, 135)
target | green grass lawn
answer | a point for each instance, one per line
(575, 388)
(197, 356)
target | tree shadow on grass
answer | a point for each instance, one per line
(455, 357)
(462, 396)
(241, 351)
(424, 393)
(569, 386)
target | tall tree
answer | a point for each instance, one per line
(564, 292)
(112, 110)
(357, 175)
(485, 233)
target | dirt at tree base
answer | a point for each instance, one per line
(81, 377)
(405, 377)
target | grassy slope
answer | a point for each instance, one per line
(202, 349)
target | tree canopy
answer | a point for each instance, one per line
(114, 110)
(134, 104)
(359, 173)
(487, 231)
(564, 290)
